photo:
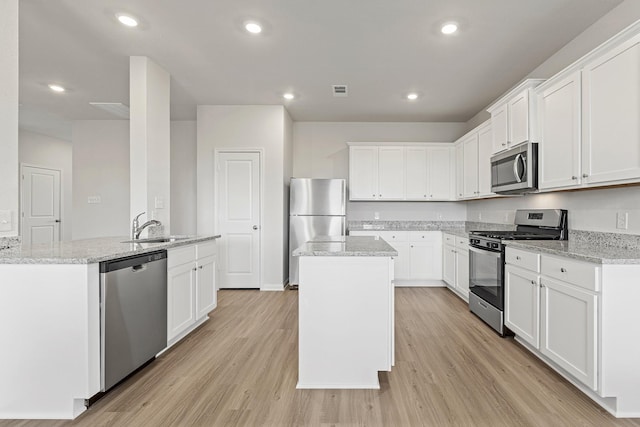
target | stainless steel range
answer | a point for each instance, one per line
(486, 260)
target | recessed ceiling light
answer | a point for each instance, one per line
(288, 96)
(412, 96)
(253, 27)
(56, 88)
(449, 28)
(127, 20)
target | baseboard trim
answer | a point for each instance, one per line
(268, 287)
(398, 283)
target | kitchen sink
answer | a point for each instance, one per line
(163, 239)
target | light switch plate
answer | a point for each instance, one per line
(622, 220)
(159, 202)
(94, 199)
(5, 221)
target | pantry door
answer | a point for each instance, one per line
(239, 213)
(40, 202)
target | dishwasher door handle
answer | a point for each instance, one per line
(139, 268)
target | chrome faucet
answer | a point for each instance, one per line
(136, 229)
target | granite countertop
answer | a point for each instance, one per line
(580, 250)
(457, 231)
(346, 246)
(88, 251)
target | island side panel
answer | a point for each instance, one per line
(49, 324)
(345, 321)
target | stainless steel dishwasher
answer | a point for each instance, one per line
(133, 314)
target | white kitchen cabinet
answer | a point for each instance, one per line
(459, 170)
(391, 173)
(455, 264)
(485, 149)
(513, 117)
(363, 173)
(416, 172)
(611, 107)
(559, 112)
(470, 166)
(191, 288)
(522, 303)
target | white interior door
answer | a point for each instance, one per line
(238, 213)
(40, 205)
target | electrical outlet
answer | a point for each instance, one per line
(376, 215)
(159, 202)
(622, 220)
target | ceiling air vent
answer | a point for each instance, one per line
(339, 90)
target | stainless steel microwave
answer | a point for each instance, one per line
(515, 171)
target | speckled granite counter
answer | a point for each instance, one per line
(87, 251)
(346, 246)
(580, 250)
(457, 228)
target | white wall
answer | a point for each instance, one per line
(320, 151)
(252, 126)
(183, 177)
(48, 152)
(9, 191)
(150, 141)
(288, 173)
(100, 168)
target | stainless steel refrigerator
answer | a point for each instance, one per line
(317, 207)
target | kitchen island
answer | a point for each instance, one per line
(50, 361)
(346, 312)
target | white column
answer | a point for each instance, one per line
(9, 190)
(150, 140)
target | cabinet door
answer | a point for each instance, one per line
(485, 145)
(522, 303)
(559, 147)
(416, 173)
(459, 171)
(519, 118)
(180, 298)
(391, 173)
(401, 265)
(470, 166)
(206, 286)
(462, 272)
(449, 265)
(611, 107)
(568, 329)
(439, 159)
(425, 259)
(363, 173)
(500, 128)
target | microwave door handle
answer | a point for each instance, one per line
(516, 163)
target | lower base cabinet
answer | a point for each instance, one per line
(455, 264)
(191, 288)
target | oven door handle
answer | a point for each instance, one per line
(485, 252)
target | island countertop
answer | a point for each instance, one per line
(346, 246)
(88, 251)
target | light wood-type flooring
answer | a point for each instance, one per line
(240, 369)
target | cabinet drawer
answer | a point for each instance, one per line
(449, 239)
(206, 249)
(181, 255)
(578, 273)
(393, 236)
(419, 236)
(462, 243)
(523, 259)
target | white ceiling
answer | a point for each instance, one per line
(381, 49)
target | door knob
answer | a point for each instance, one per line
(255, 227)
(57, 220)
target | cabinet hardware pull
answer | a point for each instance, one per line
(584, 175)
(503, 144)
(425, 195)
(533, 282)
(194, 269)
(563, 270)
(200, 267)
(541, 285)
(518, 258)
(574, 177)
(380, 195)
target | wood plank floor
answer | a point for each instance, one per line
(240, 369)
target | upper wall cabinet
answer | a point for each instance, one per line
(513, 116)
(588, 118)
(415, 172)
(473, 152)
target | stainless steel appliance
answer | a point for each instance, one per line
(515, 171)
(133, 314)
(317, 207)
(486, 259)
